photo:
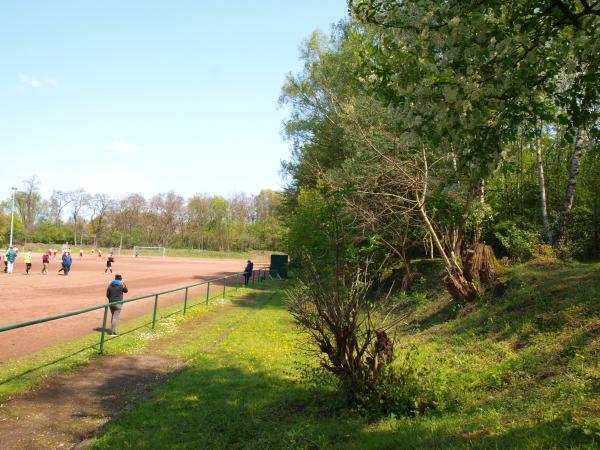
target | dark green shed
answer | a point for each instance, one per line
(279, 265)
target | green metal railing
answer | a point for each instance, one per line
(261, 276)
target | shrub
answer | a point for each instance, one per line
(350, 333)
(518, 242)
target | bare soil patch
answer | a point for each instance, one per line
(70, 409)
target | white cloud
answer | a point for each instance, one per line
(35, 83)
(121, 181)
(122, 147)
(29, 81)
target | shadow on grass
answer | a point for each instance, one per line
(48, 364)
(232, 408)
(447, 311)
(94, 346)
(227, 408)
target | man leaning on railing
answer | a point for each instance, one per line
(114, 293)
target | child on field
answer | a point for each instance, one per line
(109, 262)
(11, 255)
(27, 261)
(62, 262)
(45, 262)
(81, 253)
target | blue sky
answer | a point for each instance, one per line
(149, 96)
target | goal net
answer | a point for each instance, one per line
(149, 251)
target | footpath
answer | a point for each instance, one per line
(69, 410)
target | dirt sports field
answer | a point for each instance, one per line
(24, 298)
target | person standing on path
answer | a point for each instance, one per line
(45, 262)
(114, 293)
(248, 272)
(11, 255)
(109, 261)
(27, 261)
(5, 259)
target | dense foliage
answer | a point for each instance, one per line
(456, 130)
(238, 223)
(438, 127)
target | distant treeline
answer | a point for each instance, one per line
(237, 223)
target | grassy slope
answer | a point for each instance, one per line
(519, 371)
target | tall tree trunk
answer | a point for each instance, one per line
(596, 250)
(540, 165)
(431, 250)
(481, 196)
(457, 250)
(561, 231)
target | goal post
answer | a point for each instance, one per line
(149, 251)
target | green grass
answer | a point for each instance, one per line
(518, 371)
(246, 392)
(20, 375)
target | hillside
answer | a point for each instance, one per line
(518, 370)
(515, 371)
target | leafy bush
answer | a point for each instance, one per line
(580, 243)
(350, 332)
(518, 242)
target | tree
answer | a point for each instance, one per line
(29, 204)
(199, 212)
(80, 201)
(381, 160)
(99, 205)
(58, 202)
(482, 61)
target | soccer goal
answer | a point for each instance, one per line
(149, 251)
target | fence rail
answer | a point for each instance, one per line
(262, 273)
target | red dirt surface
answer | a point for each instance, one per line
(29, 297)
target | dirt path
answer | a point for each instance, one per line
(70, 409)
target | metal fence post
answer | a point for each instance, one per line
(155, 308)
(207, 291)
(185, 300)
(237, 280)
(224, 286)
(103, 330)
(253, 276)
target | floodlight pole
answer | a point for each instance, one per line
(12, 216)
